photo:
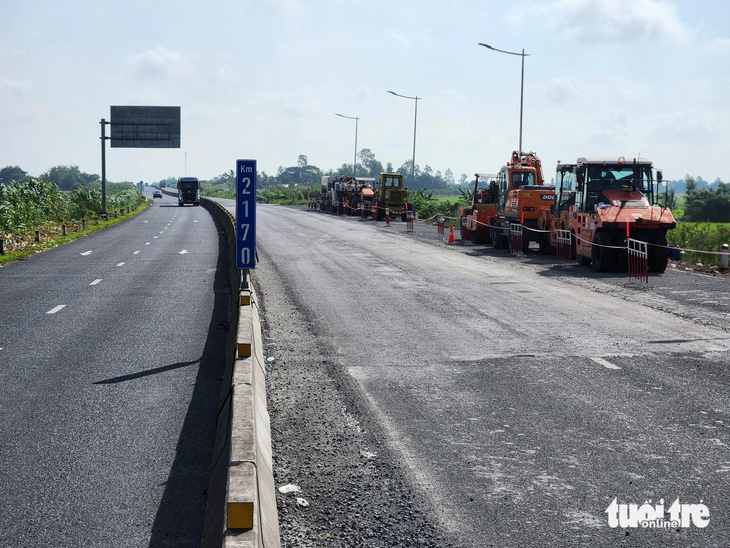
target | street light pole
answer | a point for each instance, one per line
(354, 161)
(415, 120)
(522, 80)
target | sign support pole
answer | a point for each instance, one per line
(103, 168)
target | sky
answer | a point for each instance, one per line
(264, 79)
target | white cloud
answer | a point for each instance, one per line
(153, 64)
(618, 20)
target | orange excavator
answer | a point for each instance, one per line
(522, 196)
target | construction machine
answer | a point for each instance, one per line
(522, 195)
(358, 195)
(343, 194)
(391, 193)
(603, 202)
(476, 220)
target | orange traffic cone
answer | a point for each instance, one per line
(451, 234)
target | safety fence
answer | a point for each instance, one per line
(638, 260)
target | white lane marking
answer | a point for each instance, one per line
(120, 264)
(146, 221)
(135, 253)
(183, 252)
(147, 243)
(161, 232)
(155, 237)
(56, 309)
(85, 253)
(97, 281)
(604, 363)
(195, 221)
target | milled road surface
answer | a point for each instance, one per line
(425, 394)
(111, 356)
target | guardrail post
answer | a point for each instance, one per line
(440, 221)
(723, 256)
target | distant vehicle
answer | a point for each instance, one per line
(157, 194)
(188, 191)
(146, 184)
(163, 184)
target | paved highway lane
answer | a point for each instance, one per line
(521, 399)
(111, 353)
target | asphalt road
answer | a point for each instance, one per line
(509, 400)
(111, 355)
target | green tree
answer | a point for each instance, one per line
(449, 176)
(228, 180)
(65, 177)
(704, 204)
(12, 174)
(371, 167)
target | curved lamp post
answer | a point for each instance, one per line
(415, 119)
(522, 81)
(354, 162)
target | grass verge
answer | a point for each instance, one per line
(51, 235)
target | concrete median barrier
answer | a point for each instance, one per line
(241, 508)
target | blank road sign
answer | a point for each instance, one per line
(145, 127)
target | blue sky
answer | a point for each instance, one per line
(263, 79)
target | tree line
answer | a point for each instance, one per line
(706, 204)
(306, 174)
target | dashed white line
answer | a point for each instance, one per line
(147, 243)
(605, 363)
(183, 252)
(95, 282)
(135, 253)
(56, 309)
(85, 253)
(155, 237)
(120, 264)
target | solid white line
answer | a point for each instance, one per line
(98, 280)
(604, 363)
(120, 264)
(56, 309)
